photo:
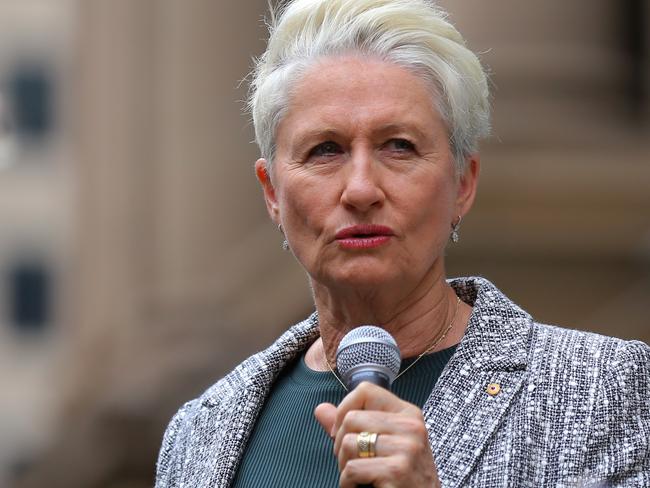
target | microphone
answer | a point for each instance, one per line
(368, 353)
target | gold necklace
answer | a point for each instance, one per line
(432, 346)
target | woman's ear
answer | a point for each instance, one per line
(262, 171)
(467, 184)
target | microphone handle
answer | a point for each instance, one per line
(374, 377)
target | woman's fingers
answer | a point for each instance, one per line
(367, 396)
(325, 413)
(369, 408)
(395, 471)
(362, 473)
(403, 457)
(356, 421)
(370, 397)
(386, 445)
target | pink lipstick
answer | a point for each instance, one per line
(364, 236)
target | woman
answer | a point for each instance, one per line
(368, 115)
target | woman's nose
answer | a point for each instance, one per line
(362, 187)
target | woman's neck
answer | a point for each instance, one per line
(415, 319)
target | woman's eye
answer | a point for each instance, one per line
(328, 148)
(400, 145)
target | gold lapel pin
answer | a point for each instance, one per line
(493, 389)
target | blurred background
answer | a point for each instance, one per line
(137, 263)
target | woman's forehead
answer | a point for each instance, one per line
(341, 92)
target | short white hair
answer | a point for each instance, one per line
(414, 34)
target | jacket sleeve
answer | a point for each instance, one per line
(619, 447)
(170, 457)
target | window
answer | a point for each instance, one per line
(29, 289)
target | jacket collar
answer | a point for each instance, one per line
(498, 331)
(496, 337)
(257, 373)
(493, 350)
(234, 403)
(462, 414)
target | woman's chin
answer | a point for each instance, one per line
(360, 277)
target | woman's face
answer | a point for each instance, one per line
(364, 183)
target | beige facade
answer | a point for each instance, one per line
(176, 274)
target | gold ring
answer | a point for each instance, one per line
(366, 444)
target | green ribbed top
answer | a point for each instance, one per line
(288, 448)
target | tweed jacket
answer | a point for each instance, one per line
(573, 408)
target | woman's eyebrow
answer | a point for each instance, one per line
(392, 128)
(301, 139)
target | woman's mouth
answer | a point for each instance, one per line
(364, 236)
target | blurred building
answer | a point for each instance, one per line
(137, 263)
(36, 220)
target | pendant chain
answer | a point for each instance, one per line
(431, 347)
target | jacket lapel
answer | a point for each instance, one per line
(479, 383)
(214, 458)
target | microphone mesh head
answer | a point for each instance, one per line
(368, 344)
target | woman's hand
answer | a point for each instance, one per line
(403, 456)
